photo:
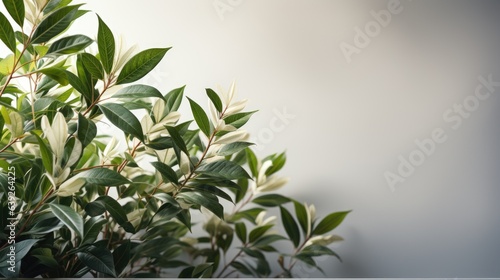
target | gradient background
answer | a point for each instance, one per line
(352, 120)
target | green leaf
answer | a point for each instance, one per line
(22, 249)
(99, 259)
(241, 268)
(173, 99)
(7, 33)
(200, 117)
(185, 218)
(214, 190)
(121, 256)
(201, 268)
(56, 74)
(208, 201)
(291, 228)
(161, 143)
(249, 214)
(106, 45)
(318, 250)
(16, 10)
(301, 214)
(114, 208)
(92, 228)
(104, 177)
(252, 162)
(166, 171)
(215, 99)
(123, 119)
(87, 130)
(177, 138)
(239, 119)
(69, 217)
(258, 232)
(268, 239)
(278, 163)
(54, 24)
(241, 231)
(70, 44)
(233, 148)
(225, 169)
(93, 65)
(140, 64)
(330, 222)
(138, 91)
(271, 200)
(46, 154)
(81, 87)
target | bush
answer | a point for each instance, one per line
(77, 201)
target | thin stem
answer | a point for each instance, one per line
(37, 207)
(229, 263)
(10, 144)
(209, 144)
(292, 263)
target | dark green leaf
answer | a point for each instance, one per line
(115, 210)
(201, 268)
(16, 10)
(208, 201)
(318, 250)
(123, 119)
(252, 162)
(241, 231)
(54, 24)
(177, 138)
(278, 163)
(225, 169)
(161, 143)
(93, 65)
(121, 256)
(291, 228)
(56, 74)
(268, 239)
(69, 217)
(81, 87)
(138, 91)
(330, 222)
(92, 228)
(200, 117)
(104, 177)
(214, 190)
(185, 217)
(140, 64)
(215, 99)
(239, 119)
(106, 45)
(99, 259)
(258, 232)
(301, 213)
(233, 148)
(241, 268)
(166, 171)
(249, 214)
(21, 250)
(7, 33)
(70, 44)
(87, 130)
(271, 200)
(46, 154)
(173, 99)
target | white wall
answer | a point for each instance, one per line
(353, 120)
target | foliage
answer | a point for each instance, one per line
(87, 203)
